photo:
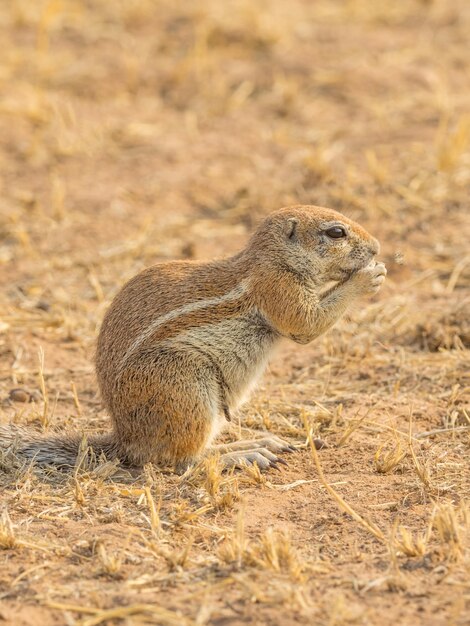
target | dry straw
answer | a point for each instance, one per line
(368, 525)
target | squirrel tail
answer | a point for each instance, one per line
(62, 450)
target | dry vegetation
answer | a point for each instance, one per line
(138, 130)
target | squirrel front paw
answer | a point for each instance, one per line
(370, 278)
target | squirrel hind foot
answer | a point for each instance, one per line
(263, 458)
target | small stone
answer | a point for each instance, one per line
(20, 395)
(43, 305)
(319, 444)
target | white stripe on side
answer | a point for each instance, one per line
(234, 294)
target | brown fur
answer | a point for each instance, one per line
(172, 366)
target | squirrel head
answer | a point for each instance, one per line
(318, 243)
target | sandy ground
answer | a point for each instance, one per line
(133, 132)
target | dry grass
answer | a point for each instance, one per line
(132, 132)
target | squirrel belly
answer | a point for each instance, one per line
(184, 342)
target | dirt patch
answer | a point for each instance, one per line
(137, 132)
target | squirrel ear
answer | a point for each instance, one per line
(291, 229)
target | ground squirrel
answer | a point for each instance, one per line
(183, 342)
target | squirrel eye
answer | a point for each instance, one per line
(336, 232)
